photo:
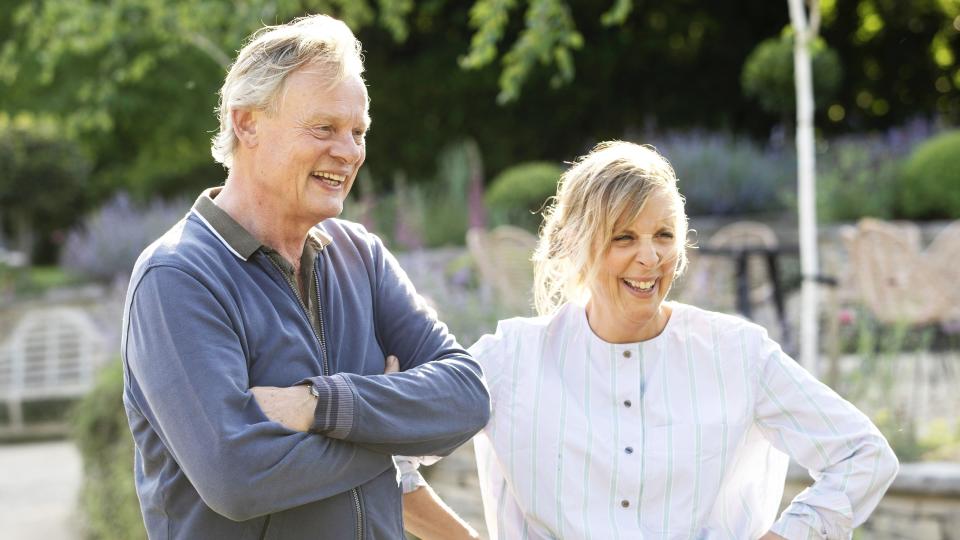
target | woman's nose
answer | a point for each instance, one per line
(647, 253)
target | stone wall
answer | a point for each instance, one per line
(922, 504)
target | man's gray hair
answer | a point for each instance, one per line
(256, 78)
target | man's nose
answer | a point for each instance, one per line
(347, 149)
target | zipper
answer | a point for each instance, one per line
(325, 368)
(357, 498)
(266, 527)
(321, 337)
(355, 492)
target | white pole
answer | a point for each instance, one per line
(806, 178)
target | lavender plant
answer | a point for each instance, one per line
(106, 244)
(723, 175)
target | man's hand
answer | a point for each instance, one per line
(772, 536)
(391, 365)
(294, 407)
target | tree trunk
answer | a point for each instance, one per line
(806, 178)
(24, 237)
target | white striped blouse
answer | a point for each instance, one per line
(684, 436)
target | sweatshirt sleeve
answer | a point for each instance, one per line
(850, 460)
(487, 351)
(187, 374)
(436, 403)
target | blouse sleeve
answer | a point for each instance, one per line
(850, 461)
(488, 351)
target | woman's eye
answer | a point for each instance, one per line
(665, 234)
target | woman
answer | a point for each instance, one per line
(618, 414)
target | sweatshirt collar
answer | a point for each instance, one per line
(236, 238)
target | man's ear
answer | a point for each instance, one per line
(245, 126)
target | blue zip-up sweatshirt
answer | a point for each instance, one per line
(203, 323)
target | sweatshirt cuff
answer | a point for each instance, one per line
(333, 416)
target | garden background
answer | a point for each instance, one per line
(106, 112)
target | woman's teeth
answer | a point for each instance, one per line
(642, 286)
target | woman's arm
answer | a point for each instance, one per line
(427, 516)
(851, 461)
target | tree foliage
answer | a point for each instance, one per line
(42, 186)
(768, 74)
(135, 81)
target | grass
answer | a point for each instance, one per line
(35, 280)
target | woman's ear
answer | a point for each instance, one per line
(245, 126)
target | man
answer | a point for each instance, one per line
(258, 286)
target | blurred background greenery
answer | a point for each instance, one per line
(99, 98)
(107, 109)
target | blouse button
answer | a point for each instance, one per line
(627, 403)
(628, 449)
(626, 354)
(625, 503)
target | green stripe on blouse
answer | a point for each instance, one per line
(513, 407)
(826, 420)
(535, 432)
(793, 420)
(641, 386)
(586, 458)
(698, 443)
(669, 481)
(715, 339)
(616, 438)
(562, 433)
(501, 510)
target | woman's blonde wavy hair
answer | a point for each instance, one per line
(600, 192)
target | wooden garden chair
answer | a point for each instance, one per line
(898, 282)
(503, 260)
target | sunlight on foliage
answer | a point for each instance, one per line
(870, 22)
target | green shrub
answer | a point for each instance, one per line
(857, 178)
(929, 186)
(768, 74)
(430, 213)
(518, 192)
(108, 499)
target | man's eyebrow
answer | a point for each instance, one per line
(324, 117)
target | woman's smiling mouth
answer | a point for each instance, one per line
(640, 286)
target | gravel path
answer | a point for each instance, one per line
(39, 483)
